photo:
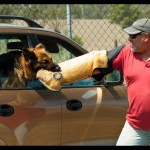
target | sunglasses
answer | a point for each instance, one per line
(133, 36)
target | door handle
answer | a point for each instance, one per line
(73, 105)
(6, 110)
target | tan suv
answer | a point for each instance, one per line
(82, 113)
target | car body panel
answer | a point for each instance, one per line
(36, 119)
(100, 118)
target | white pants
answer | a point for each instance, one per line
(131, 136)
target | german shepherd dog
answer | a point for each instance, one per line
(21, 67)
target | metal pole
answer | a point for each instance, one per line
(69, 26)
(115, 43)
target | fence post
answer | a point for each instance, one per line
(115, 43)
(69, 26)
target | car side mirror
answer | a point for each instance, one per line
(112, 79)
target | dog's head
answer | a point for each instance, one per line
(39, 58)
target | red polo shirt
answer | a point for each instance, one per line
(137, 75)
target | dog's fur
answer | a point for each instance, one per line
(21, 66)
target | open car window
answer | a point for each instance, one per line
(62, 53)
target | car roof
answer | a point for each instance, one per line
(30, 23)
(8, 25)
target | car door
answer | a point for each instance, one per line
(29, 115)
(92, 114)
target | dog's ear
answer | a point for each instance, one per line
(28, 54)
(40, 45)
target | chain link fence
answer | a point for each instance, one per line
(94, 26)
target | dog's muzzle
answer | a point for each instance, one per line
(54, 68)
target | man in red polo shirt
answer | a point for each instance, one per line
(134, 62)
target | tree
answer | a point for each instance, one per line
(145, 13)
(124, 14)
